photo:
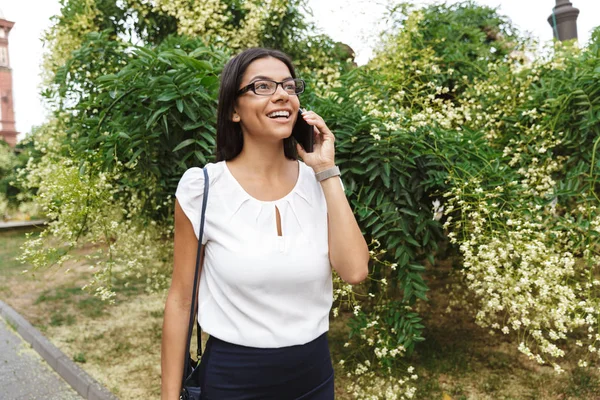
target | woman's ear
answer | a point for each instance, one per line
(235, 117)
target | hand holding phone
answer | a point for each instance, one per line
(304, 133)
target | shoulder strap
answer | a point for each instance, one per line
(196, 278)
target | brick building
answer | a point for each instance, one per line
(7, 113)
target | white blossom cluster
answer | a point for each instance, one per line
(212, 19)
(66, 36)
(525, 276)
(82, 209)
(369, 386)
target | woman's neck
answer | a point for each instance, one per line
(261, 159)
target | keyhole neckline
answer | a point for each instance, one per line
(248, 195)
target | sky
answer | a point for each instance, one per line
(354, 22)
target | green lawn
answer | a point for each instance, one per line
(10, 243)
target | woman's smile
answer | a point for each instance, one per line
(280, 116)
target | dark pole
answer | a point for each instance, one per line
(563, 20)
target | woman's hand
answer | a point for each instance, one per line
(323, 155)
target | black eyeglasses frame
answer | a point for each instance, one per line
(251, 86)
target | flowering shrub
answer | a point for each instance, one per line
(528, 222)
(510, 151)
(113, 156)
(387, 117)
(81, 202)
(151, 120)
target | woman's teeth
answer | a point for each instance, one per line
(277, 114)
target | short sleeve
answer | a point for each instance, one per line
(190, 195)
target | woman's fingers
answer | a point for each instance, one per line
(318, 137)
(315, 120)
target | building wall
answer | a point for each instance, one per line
(7, 112)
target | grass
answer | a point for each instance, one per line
(79, 358)
(119, 345)
(10, 243)
(11, 324)
(582, 383)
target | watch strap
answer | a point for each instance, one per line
(328, 173)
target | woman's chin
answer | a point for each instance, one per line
(281, 134)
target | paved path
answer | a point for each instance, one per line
(24, 374)
(22, 224)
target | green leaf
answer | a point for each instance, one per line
(169, 95)
(156, 115)
(416, 267)
(188, 126)
(183, 144)
(412, 241)
(135, 155)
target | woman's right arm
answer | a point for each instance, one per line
(177, 307)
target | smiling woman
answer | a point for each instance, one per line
(234, 86)
(274, 229)
(260, 97)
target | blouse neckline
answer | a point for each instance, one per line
(249, 196)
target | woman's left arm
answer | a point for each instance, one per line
(348, 250)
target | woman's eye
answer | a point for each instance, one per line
(290, 86)
(261, 85)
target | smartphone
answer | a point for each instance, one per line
(304, 133)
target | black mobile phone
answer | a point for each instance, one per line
(304, 133)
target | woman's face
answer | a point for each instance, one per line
(255, 112)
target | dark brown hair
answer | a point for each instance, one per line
(229, 134)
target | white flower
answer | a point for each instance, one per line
(438, 211)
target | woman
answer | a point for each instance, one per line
(274, 228)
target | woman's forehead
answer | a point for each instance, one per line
(268, 67)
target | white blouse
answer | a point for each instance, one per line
(257, 288)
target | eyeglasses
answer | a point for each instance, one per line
(266, 87)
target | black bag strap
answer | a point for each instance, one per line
(186, 364)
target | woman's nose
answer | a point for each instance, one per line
(280, 92)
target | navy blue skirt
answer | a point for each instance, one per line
(233, 372)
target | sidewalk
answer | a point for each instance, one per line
(22, 224)
(25, 375)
